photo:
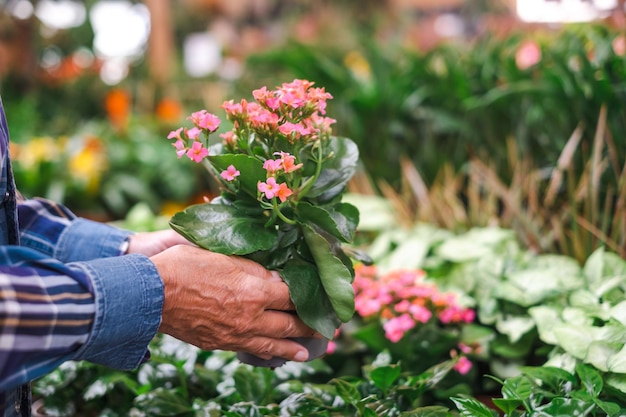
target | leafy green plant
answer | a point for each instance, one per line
(549, 391)
(455, 102)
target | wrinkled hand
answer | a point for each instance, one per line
(151, 243)
(215, 301)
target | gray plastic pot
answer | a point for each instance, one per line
(315, 345)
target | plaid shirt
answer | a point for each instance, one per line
(65, 291)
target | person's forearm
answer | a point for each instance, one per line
(54, 230)
(105, 311)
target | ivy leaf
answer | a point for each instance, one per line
(223, 228)
(307, 293)
(340, 221)
(335, 276)
(251, 170)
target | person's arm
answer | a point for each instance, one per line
(55, 231)
(105, 311)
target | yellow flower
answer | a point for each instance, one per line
(89, 163)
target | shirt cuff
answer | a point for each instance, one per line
(129, 301)
(85, 239)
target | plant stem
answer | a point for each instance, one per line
(318, 169)
(280, 214)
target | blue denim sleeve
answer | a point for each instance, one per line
(129, 299)
(52, 229)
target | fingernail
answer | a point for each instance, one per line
(302, 356)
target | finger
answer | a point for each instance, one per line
(266, 348)
(278, 324)
(277, 296)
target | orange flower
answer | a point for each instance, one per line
(169, 110)
(117, 105)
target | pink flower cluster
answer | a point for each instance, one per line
(403, 300)
(189, 141)
(294, 111)
(271, 188)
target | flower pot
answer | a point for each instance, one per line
(315, 345)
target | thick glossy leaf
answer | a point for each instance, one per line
(251, 169)
(336, 278)
(311, 301)
(341, 221)
(336, 171)
(222, 228)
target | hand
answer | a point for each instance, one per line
(151, 243)
(215, 301)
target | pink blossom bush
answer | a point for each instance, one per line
(404, 302)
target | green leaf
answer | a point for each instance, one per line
(251, 385)
(346, 391)
(340, 221)
(223, 228)
(470, 407)
(507, 405)
(590, 379)
(428, 411)
(517, 388)
(384, 376)
(251, 170)
(336, 171)
(566, 407)
(601, 266)
(162, 402)
(307, 293)
(335, 276)
(551, 378)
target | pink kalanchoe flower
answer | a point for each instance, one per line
(209, 122)
(175, 134)
(367, 307)
(272, 165)
(230, 173)
(269, 188)
(420, 313)
(197, 152)
(229, 138)
(193, 133)
(283, 192)
(181, 149)
(463, 366)
(396, 327)
(205, 120)
(288, 162)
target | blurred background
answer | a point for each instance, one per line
(91, 89)
(492, 147)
